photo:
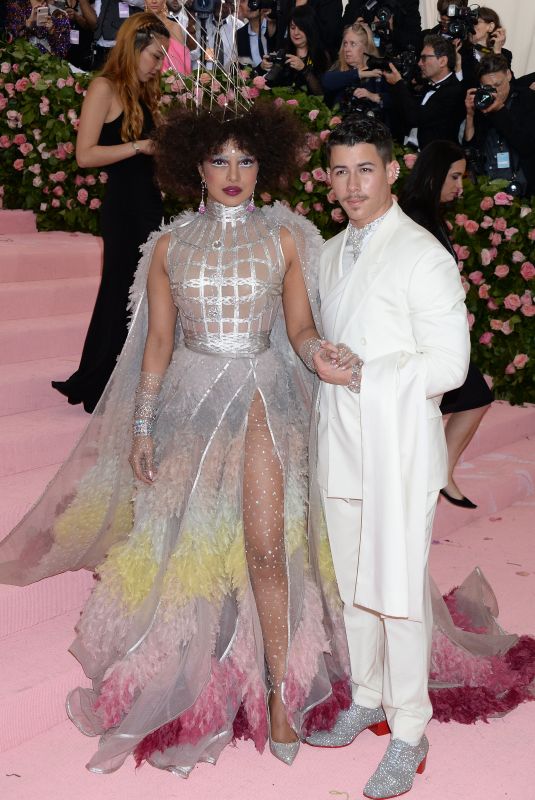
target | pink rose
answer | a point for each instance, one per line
(37, 182)
(69, 147)
(507, 328)
(471, 319)
(312, 115)
(44, 106)
(335, 121)
(5, 141)
(462, 251)
(259, 81)
(43, 207)
(337, 215)
(410, 160)
(465, 284)
(527, 270)
(36, 169)
(3, 102)
(278, 101)
(510, 369)
(265, 197)
(58, 177)
(520, 360)
(10, 89)
(19, 139)
(486, 338)
(502, 199)
(22, 84)
(304, 177)
(495, 239)
(90, 180)
(324, 135)
(510, 232)
(531, 235)
(460, 219)
(57, 190)
(518, 257)
(496, 324)
(69, 81)
(18, 164)
(476, 277)
(55, 203)
(292, 102)
(5, 67)
(103, 177)
(526, 299)
(331, 197)
(60, 83)
(249, 92)
(34, 77)
(483, 291)
(487, 222)
(528, 311)
(313, 141)
(26, 148)
(317, 206)
(302, 209)
(82, 196)
(309, 187)
(501, 270)
(500, 224)
(524, 211)
(491, 305)
(486, 256)
(94, 204)
(319, 174)
(486, 203)
(512, 302)
(79, 180)
(471, 226)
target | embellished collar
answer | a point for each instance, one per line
(228, 214)
(357, 236)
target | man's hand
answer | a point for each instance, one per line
(334, 363)
(469, 102)
(393, 75)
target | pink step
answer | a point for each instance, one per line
(42, 337)
(36, 678)
(26, 386)
(49, 255)
(23, 607)
(19, 492)
(25, 299)
(39, 438)
(503, 423)
(494, 481)
(17, 221)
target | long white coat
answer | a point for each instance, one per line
(401, 308)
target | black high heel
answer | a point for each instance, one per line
(464, 502)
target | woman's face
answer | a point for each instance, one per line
(452, 188)
(481, 31)
(155, 6)
(230, 175)
(150, 60)
(298, 38)
(353, 48)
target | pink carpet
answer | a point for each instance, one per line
(47, 287)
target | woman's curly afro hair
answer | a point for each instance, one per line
(273, 134)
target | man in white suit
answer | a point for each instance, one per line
(392, 294)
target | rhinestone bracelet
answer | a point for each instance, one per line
(356, 377)
(308, 349)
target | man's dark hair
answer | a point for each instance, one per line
(356, 130)
(441, 47)
(492, 63)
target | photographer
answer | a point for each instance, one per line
(303, 61)
(438, 111)
(401, 29)
(350, 77)
(110, 16)
(257, 37)
(45, 26)
(500, 127)
(221, 27)
(488, 38)
(83, 21)
(329, 17)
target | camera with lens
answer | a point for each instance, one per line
(203, 8)
(462, 21)
(405, 62)
(375, 9)
(358, 106)
(484, 97)
(278, 66)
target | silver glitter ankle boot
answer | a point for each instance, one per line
(397, 768)
(349, 724)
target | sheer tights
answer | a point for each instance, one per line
(263, 522)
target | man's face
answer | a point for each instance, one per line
(361, 181)
(433, 68)
(501, 81)
(245, 11)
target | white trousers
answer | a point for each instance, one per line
(389, 656)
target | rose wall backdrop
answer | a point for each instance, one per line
(494, 233)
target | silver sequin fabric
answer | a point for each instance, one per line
(396, 771)
(349, 724)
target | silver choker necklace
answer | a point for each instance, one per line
(356, 236)
(228, 214)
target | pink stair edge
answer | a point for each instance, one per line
(17, 221)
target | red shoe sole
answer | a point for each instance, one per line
(419, 770)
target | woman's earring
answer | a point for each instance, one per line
(250, 205)
(202, 207)
(397, 170)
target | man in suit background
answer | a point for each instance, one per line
(392, 294)
(436, 112)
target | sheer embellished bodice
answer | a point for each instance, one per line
(226, 270)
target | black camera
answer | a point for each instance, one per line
(484, 97)
(462, 21)
(375, 9)
(358, 106)
(405, 62)
(279, 57)
(203, 8)
(278, 67)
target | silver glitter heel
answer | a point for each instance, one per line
(284, 751)
(397, 768)
(349, 724)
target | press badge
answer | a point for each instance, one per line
(124, 10)
(75, 36)
(503, 160)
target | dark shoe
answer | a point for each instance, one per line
(397, 768)
(464, 502)
(349, 724)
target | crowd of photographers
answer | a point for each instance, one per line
(371, 57)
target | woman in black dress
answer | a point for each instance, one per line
(118, 114)
(436, 180)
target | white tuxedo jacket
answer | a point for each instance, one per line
(401, 308)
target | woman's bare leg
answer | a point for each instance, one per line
(460, 429)
(263, 521)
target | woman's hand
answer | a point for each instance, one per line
(141, 459)
(498, 39)
(360, 92)
(369, 73)
(146, 146)
(295, 62)
(334, 363)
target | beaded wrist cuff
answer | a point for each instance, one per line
(146, 403)
(308, 349)
(356, 377)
